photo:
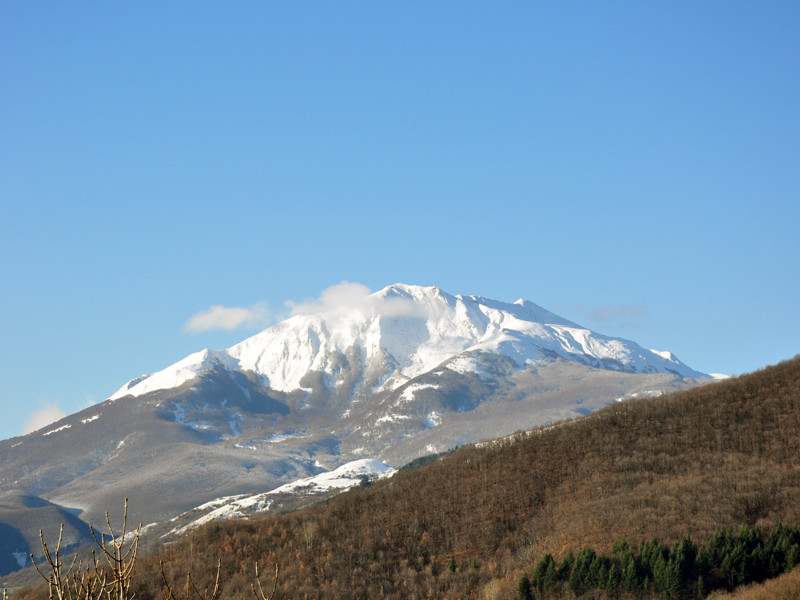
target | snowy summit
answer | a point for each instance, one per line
(403, 331)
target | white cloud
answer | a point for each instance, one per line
(350, 296)
(228, 318)
(49, 413)
(342, 296)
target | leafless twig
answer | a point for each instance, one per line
(190, 586)
(260, 593)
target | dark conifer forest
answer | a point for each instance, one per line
(670, 497)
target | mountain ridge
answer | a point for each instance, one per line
(389, 320)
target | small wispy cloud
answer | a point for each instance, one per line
(49, 413)
(620, 316)
(228, 318)
(617, 312)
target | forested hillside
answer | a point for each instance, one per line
(716, 461)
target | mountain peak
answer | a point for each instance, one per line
(418, 296)
(414, 328)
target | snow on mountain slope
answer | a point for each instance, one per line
(419, 328)
(237, 507)
(346, 476)
(175, 375)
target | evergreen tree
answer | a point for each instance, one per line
(630, 573)
(774, 568)
(671, 582)
(597, 577)
(545, 576)
(702, 592)
(614, 579)
(650, 552)
(434, 567)
(682, 565)
(565, 568)
(579, 580)
(663, 577)
(702, 563)
(792, 557)
(524, 591)
(620, 547)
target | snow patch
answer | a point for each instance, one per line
(217, 502)
(241, 506)
(642, 394)
(408, 393)
(242, 447)
(277, 438)
(433, 418)
(231, 507)
(57, 429)
(90, 419)
(391, 419)
(346, 476)
(466, 365)
(179, 415)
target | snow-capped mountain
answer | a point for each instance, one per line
(404, 331)
(406, 371)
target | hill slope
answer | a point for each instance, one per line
(689, 463)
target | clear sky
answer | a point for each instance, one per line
(632, 166)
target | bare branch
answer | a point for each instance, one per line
(167, 591)
(260, 594)
(169, 594)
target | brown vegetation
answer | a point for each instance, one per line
(785, 587)
(468, 525)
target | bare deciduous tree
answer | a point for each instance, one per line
(106, 578)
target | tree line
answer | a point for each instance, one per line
(681, 571)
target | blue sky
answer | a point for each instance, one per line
(632, 166)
